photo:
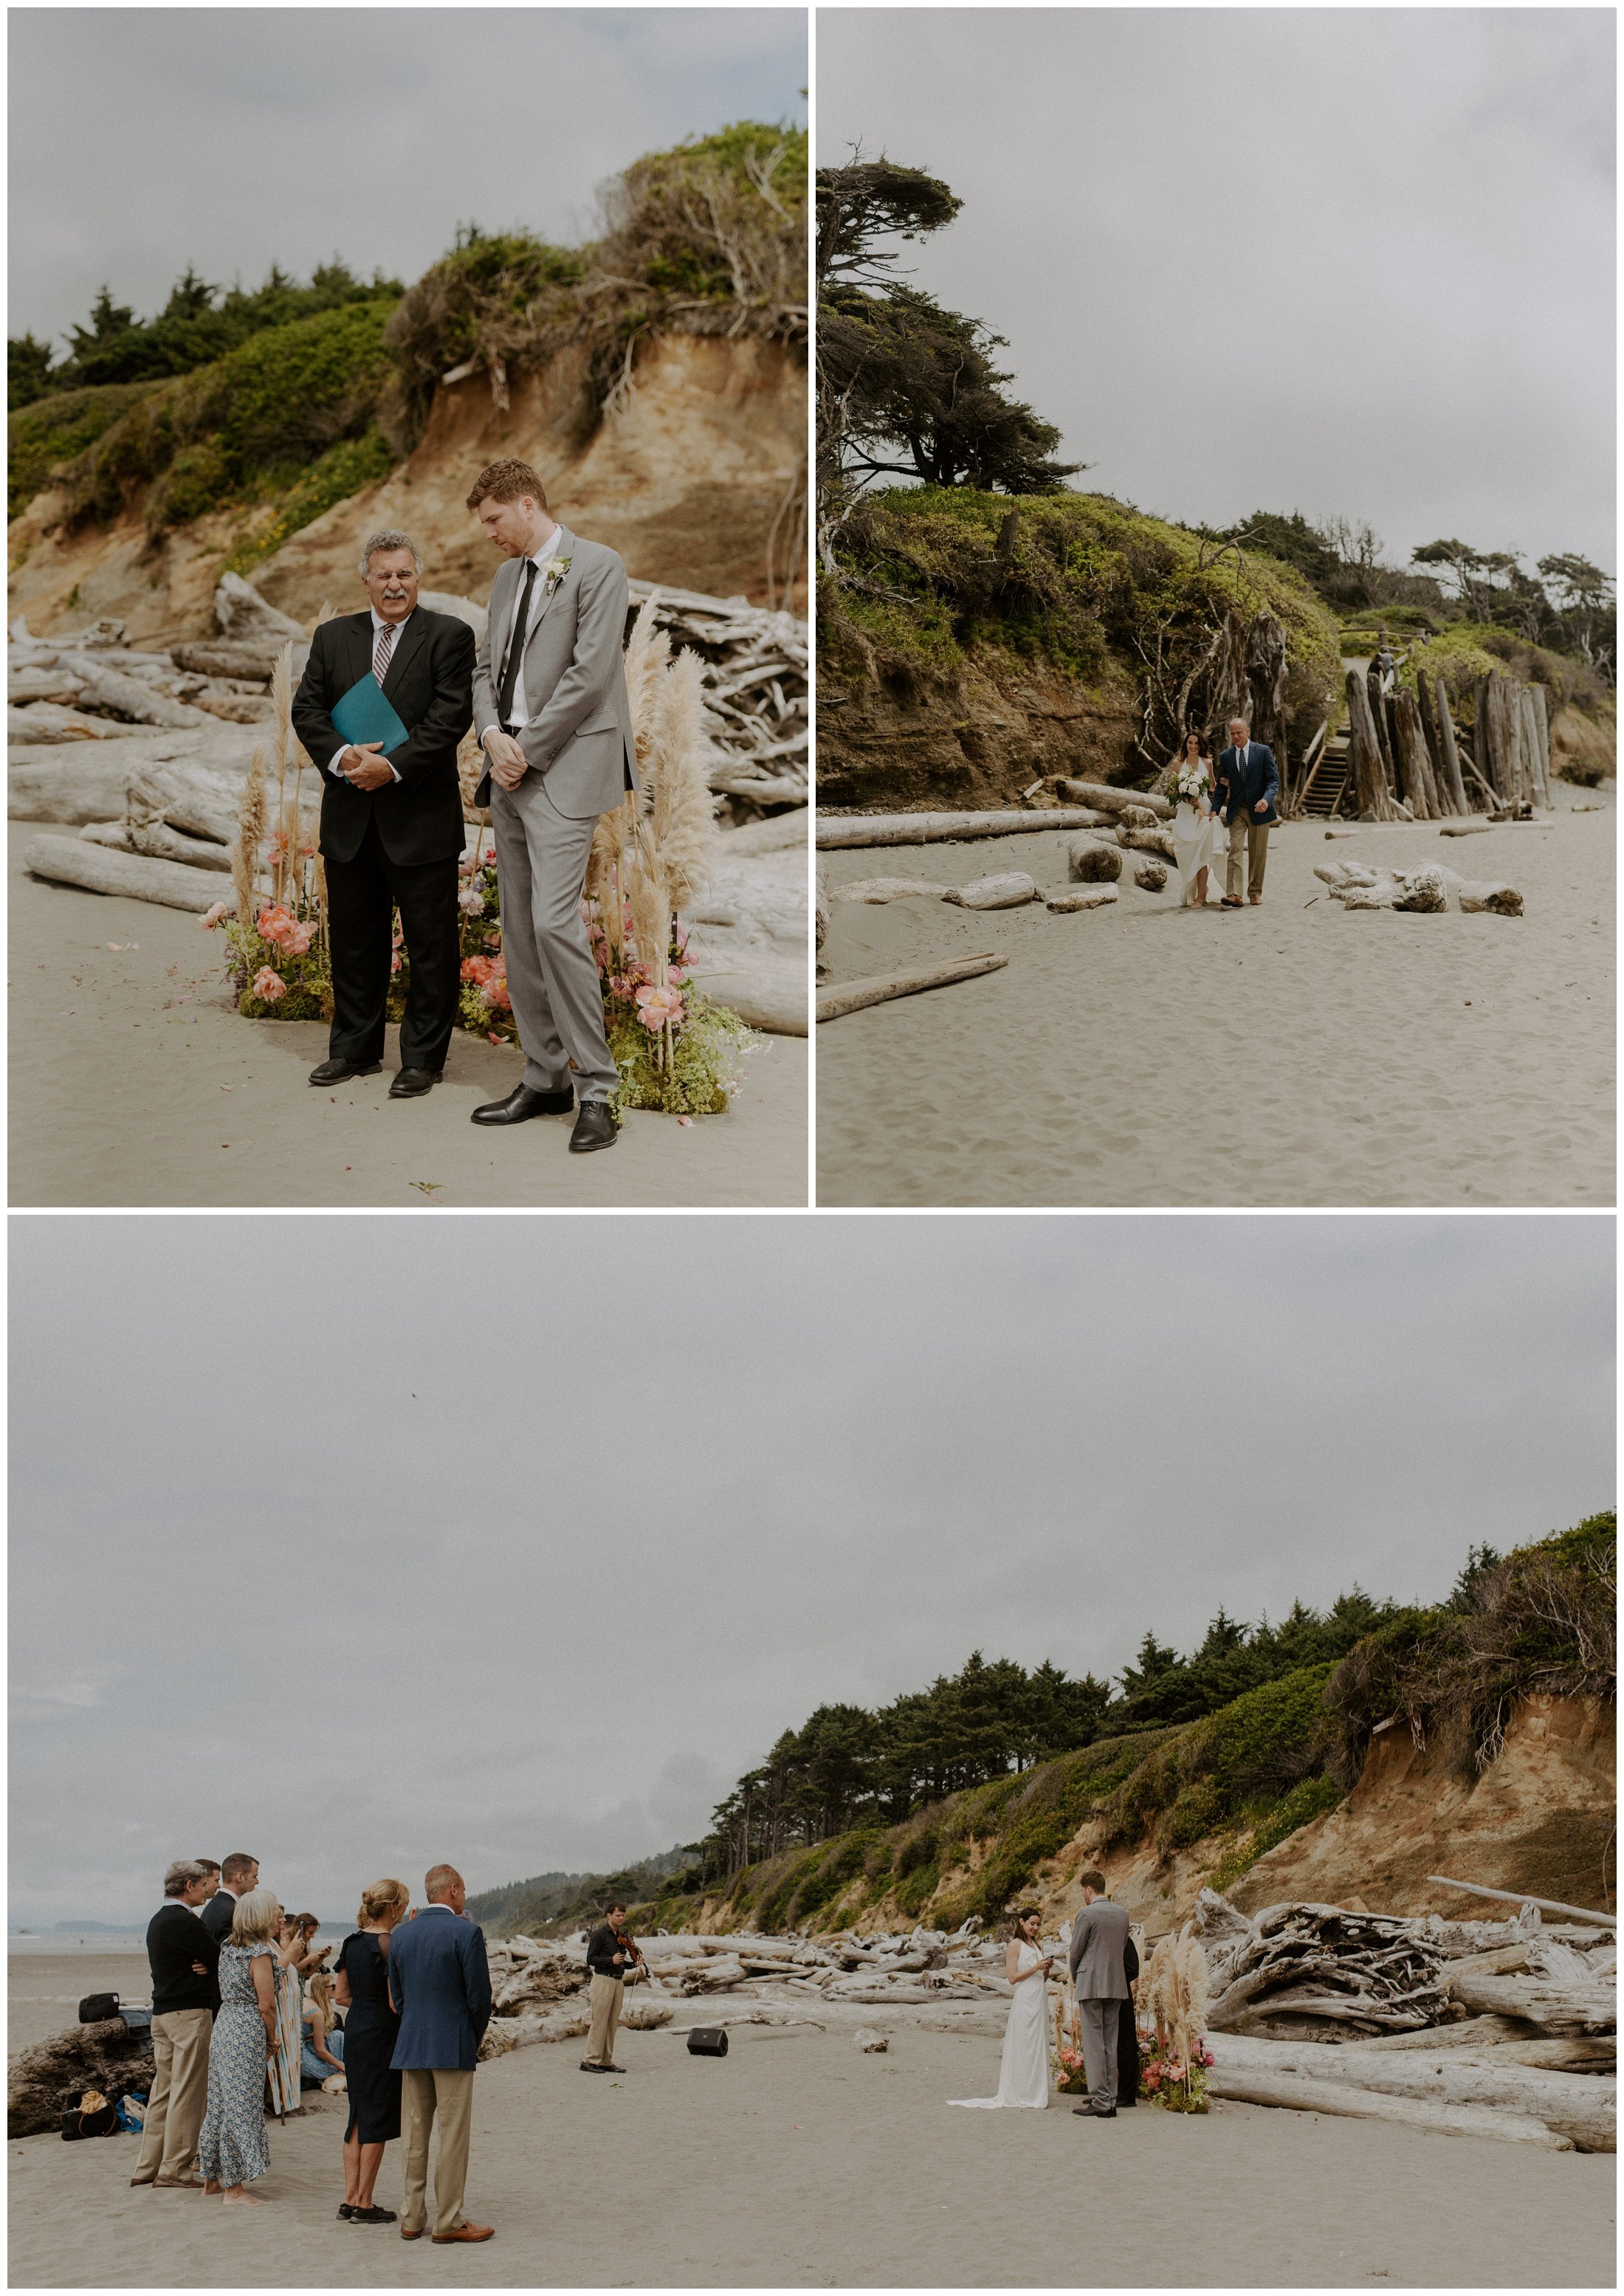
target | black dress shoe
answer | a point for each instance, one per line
(594, 1127)
(1087, 2113)
(524, 1102)
(340, 1071)
(371, 2216)
(345, 2209)
(410, 1084)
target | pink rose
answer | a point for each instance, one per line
(210, 918)
(269, 985)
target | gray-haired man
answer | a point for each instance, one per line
(182, 1955)
(392, 819)
(1099, 1976)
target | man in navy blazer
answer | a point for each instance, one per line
(1247, 787)
(439, 1986)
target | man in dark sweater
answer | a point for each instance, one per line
(182, 1955)
(610, 1955)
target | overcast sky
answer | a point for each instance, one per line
(362, 1542)
(145, 138)
(1333, 260)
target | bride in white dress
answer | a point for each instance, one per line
(1195, 825)
(1023, 2072)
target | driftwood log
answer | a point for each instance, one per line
(1090, 861)
(1372, 789)
(157, 842)
(44, 2081)
(853, 995)
(67, 861)
(1081, 897)
(878, 889)
(841, 833)
(755, 690)
(1541, 1904)
(1297, 2093)
(1011, 888)
(1581, 2107)
(1106, 799)
(1551, 2005)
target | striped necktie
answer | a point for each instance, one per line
(381, 650)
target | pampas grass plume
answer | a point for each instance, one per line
(251, 831)
(685, 821)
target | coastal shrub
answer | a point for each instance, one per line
(1236, 1762)
(333, 479)
(1464, 651)
(246, 424)
(51, 434)
(1311, 1799)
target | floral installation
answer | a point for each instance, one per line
(675, 1049)
(1176, 2084)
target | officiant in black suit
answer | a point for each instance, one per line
(391, 820)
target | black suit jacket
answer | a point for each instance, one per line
(217, 1916)
(430, 686)
(175, 1938)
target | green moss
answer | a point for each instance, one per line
(53, 431)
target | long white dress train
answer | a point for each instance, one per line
(1023, 2070)
(1196, 841)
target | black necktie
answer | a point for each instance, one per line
(515, 646)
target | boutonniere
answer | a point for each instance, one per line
(555, 571)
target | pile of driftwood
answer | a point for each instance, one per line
(43, 2082)
(1430, 890)
(755, 692)
(1409, 760)
(1502, 2028)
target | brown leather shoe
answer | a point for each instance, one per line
(466, 2232)
(418, 2235)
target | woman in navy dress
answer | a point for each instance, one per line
(371, 2030)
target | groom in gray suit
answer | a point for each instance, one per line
(551, 712)
(1099, 1976)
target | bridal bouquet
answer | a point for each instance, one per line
(1193, 785)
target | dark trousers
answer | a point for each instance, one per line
(362, 896)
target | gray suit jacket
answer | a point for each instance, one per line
(580, 736)
(1098, 1936)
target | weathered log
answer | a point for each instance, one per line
(43, 722)
(189, 798)
(1554, 2007)
(1449, 755)
(1370, 782)
(1542, 734)
(1010, 889)
(1521, 1897)
(235, 657)
(1106, 799)
(43, 683)
(1533, 749)
(1150, 874)
(157, 842)
(1089, 861)
(1159, 841)
(1414, 767)
(878, 889)
(1472, 827)
(841, 834)
(103, 687)
(1582, 2109)
(247, 619)
(1466, 2033)
(1297, 2095)
(42, 2082)
(68, 862)
(853, 995)
(1081, 897)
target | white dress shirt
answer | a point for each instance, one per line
(539, 558)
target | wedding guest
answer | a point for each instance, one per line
(611, 1957)
(234, 2150)
(440, 1981)
(290, 1946)
(1099, 1976)
(322, 2053)
(181, 1956)
(371, 2030)
(239, 1876)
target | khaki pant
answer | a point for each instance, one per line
(423, 2095)
(1248, 836)
(1099, 2021)
(180, 2093)
(607, 1994)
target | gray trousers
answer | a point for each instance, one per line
(1099, 2021)
(552, 975)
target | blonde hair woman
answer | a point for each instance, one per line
(371, 2030)
(323, 2054)
(233, 2150)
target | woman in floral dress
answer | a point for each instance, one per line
(234, 2150)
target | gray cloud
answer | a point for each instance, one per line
(234, 138)
(358, 1543)
(1327, 259)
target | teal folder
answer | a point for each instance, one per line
(364, 714)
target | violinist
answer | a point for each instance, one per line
(611, 1956)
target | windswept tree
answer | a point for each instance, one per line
(1582, 597)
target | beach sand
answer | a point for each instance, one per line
(135, 1082)
(1292, 1054)
(798, 2161)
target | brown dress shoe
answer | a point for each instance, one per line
(405, 2235)
(466, 2232)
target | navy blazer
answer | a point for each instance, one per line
(439, 1981)
(1243, 778)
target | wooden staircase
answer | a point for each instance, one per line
(1330, 782)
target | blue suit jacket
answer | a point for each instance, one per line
(1242, 780)
(440, 1981)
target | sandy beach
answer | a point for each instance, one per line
(799, 2161)
(1291, 1055)
(135, 1082)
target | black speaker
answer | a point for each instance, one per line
(95, 2007)
(708, 2041)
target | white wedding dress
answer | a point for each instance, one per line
(1023, 2071)
(1196, 841)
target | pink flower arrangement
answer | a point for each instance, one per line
(269, 985)
(283, 930)
(211, 917)
(489, 977)
(657, 1006)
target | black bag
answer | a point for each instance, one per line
(77, 2123)
(708, 2041)
(95, 2007)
